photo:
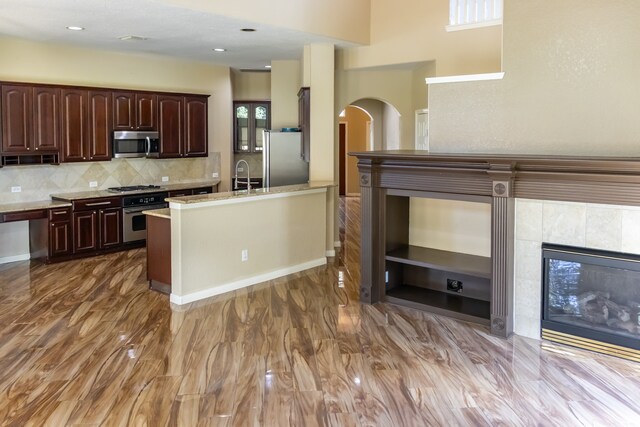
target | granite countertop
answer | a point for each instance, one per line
(200, 198)
(28, 206)
(69, 197)
(160, 213)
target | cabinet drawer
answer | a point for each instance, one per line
(203, 190)
(24, 215)
(59, 214)
(91, 204)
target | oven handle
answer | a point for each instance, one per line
(138, 209)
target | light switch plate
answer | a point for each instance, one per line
(16, 189)
(165, 179)
(214, 175)
(93, 184)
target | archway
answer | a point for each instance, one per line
(364, 125)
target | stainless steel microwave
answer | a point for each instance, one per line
(128, 144)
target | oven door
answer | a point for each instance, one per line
(134, 222)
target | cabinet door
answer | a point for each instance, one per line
(241, 134)
(261, 122)
(99, 125)
(123, 111)
(146, 105)
(110, 227)
(195, 119)
(170, 125)
(16, 119)
(46, 119)
(59, 239)
(74, 125)
(85, 231)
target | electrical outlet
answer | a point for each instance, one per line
(214, 175)
(245, 255)
(93, 184)
(240, 169)
(454, 285)
(165, 179)
(16, 189)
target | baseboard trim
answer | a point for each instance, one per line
(15, 258)
(337, 244)
(330, 253)
(243, 283)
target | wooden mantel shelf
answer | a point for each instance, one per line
(388, 179)
(610, 180)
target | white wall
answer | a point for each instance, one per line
(570, 85)
(286, 81)
(251, 85)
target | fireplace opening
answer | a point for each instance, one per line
(591, 299)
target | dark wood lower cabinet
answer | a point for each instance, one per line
(110, 227)
(59, 239)
(85, 227)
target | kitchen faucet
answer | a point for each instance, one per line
(248, 182)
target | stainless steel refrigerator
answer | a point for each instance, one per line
(281, 162)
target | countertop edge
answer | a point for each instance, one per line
(81, 195)
(28, 206)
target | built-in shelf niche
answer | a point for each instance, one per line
(416, 276)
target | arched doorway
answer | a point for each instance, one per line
(364, 125)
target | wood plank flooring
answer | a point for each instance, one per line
(86, 343)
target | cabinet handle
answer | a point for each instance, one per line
(36, 148)
(60, 213)
(98, 204)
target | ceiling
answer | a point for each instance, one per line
(169, 30)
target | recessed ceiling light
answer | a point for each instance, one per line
(267, 66)
(75, 28)
(248, 30)
(219, 49)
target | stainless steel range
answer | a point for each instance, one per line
(134, 223)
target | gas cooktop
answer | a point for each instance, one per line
(133, 188)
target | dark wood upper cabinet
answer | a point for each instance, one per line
(304, 121)
(195, 119)
(74, 125)
(170, 115)
(250, 119)
(46, 118)
(134, 111)
(100, 125)
(30, 119)
(16, 119)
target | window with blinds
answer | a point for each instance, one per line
(467, 14)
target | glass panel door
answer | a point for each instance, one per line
(261, 121)
(241, 128)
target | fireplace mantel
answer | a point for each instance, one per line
(492, 178)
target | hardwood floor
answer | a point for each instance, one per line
(86, 343)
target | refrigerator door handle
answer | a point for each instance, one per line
(266, 140)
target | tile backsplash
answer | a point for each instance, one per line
(38, 182)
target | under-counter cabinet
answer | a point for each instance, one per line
(86, 125)
(60, 233)
(50, 233)
(250, 119)
(191, 191)
(134, 110)
(30, 119)
(97, 224)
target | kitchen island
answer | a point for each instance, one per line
(225, 241)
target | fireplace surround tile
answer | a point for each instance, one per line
(630, 231)
(564, 223)
(529, 220)
(604, 228)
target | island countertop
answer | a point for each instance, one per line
(253, 193)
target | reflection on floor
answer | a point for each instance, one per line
(85, 342)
